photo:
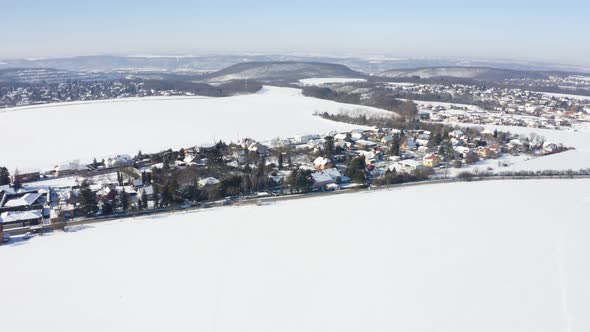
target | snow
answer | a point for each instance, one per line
(577, 138)
(320, 81)
(63, 182)
(563, 95)
(50, 134)
(505, 256)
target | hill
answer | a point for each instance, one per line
(281, 71)
(477, 73)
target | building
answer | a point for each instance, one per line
(431, 160)
(17, 219)
(23, 201)
(322, 163)
(406, 166)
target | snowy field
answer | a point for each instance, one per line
(320, 81)
(488, 256)
(579, 158)
(568, 96)
(51, 134)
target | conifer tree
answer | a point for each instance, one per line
(88, 204)
(4, 176)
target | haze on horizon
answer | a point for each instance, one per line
(521, 29)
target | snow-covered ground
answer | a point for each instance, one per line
(320, 81)
(40, 137)
(492, 256)
(577, 138)
(563, 95)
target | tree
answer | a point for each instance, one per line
(280, 160)
(156, 198)
(107, 207)
(300, 180)
(329, 146)
(4, 176)
(395, 145)
(88, 204)
(355, 169)
(120, 178)
(16, 180)
(261, 167)
(124, 200)
(446, 150)
(144, 200)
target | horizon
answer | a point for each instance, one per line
(523, 31)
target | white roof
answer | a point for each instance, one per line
(409, 162)
(321, 177)
(25, 200)
(13, 216)
(208, 182)
(7, 189)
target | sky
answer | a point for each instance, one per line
(551, 31)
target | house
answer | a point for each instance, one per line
(68, 168)
(210, 181)
(549, 147)
(16, 219)
(322, 163)
(258, 148)
(26, 177)
(365, 144)
(486, 152)
(23, 201)
(406, 166)
(148, 191)
(321, 179)
(328, 179)
(431, 160)
(119, 160)
(302, 139)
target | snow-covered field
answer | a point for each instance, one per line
(43, 136)
(320, 81)
(489, 256)
(579, 158)
(563, 95)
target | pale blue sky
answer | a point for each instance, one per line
(557, 31)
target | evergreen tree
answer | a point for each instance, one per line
(107, 207)
(4, 176)
(166, 197)
(395, 145)
(156, 198)
(16, 180)
(124, 200)
(260, 170)
(329, 146)
(280, 160)
(355, 169)
(88, 204)
(446, 150)
(144, 200)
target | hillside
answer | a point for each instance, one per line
(279, 71)
(477, 73)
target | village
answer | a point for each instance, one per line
(228, 173)
(461, 103)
